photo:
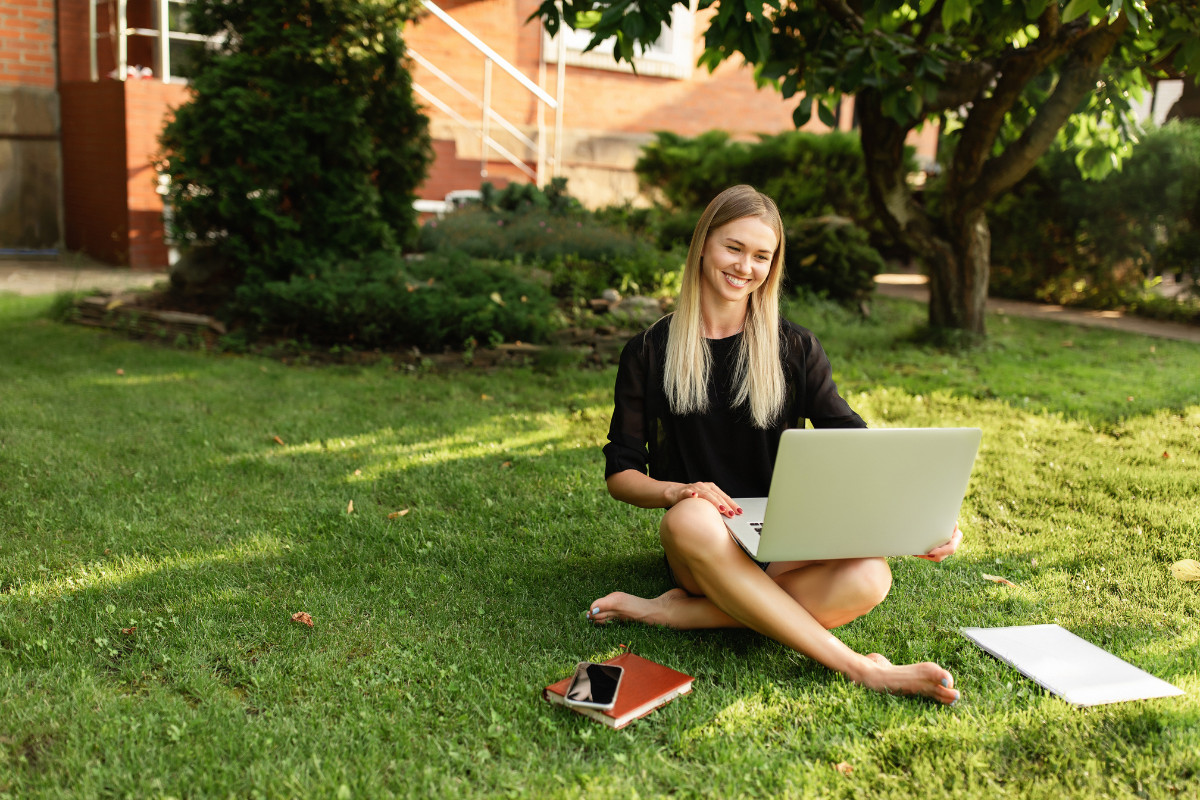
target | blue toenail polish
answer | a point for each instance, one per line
(596, 610)
(946, 682)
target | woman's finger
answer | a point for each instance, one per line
(717, 498)
(732, 507)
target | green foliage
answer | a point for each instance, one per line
(833, 258)
(581, 254)
(301, 141)
(438, 300)
(1060, 238)
(806, 174)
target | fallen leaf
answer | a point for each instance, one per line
(129, 631)
(1166, 454)
(485, 397)
(1186, 570)
(358, 472)
(997, 579)
(277, 440)
(1033, 562)
(120, 372)
(1068, 343)
(264, 369)
(399, 513)
(350, 508)
(506, 465)
(107, 551)
(1151, 348)
(843, 768)
(623, 647)
(303, 616)
(1129, 399)
(496, 298)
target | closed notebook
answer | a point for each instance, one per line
(644, 687)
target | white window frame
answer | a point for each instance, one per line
(678, 63)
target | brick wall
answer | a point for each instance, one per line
(148, 107)
(607, 115)
(94, 172)
(27, 43)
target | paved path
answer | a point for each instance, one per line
(70, 274)
(912, 287)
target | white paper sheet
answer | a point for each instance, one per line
(1072, 668)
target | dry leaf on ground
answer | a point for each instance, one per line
(303, 616)
(350, 507)
(277, 440)
(843, 768)
(399, 513)
(997, 579)
(506, 465)
(1166, 454)
(358, 472)
(129, 631)
(120, 372)
(485, 397)
(1129, 399)
(1068, 343)
(1186, 570)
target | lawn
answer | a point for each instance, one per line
(158, 500)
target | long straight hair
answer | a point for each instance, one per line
(758, 371)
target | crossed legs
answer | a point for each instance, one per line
(794, 603)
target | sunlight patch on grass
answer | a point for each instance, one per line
(140, 380)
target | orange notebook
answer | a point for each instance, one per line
(644, 687)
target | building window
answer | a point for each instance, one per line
(672, 56)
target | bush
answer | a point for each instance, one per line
(550, 231)
(833, 258)
(806, 174)
(1059, 238)
(301, 142)
(384, 301)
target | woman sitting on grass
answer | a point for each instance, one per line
(702, 398)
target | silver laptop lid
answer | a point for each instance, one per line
(858, 493)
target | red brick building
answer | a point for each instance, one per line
(100, 159)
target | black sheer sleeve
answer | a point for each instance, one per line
(627, 437)
(822, 404)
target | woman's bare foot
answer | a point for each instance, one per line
(622, 606)
(927, 679)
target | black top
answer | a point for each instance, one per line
(721, 446)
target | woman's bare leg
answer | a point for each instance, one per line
(737, 592)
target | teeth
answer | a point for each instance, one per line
(735, 281)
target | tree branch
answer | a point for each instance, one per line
(964, 82)
(1077, 80)
(841, 11)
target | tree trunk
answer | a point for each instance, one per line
(958, 276)
(956, 252)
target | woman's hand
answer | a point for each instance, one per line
(704, 491)
(942, 552)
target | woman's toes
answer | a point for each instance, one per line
(879, 659)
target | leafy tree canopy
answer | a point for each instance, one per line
(1004, 78)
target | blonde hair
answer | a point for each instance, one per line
(758, 373)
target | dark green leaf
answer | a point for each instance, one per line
(1114, 11)
(825, 114)
(1075, 9)
(803, 112)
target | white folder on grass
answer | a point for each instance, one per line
(1072, 668)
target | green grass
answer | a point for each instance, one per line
(159, 500)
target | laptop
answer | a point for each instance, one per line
(859, 493)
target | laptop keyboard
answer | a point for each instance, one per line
(757, 526)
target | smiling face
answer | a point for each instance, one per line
(737, 260)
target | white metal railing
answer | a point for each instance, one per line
(489, 114)
(120, 30)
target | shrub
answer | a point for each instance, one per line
(1060, 238)
(301, 141)
(384, 301)
(549, 230)
(833, 258)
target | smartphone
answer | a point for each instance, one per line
(594, 686)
